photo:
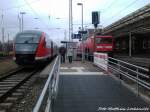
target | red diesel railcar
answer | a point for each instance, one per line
(33, 46)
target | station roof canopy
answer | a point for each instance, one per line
(135, 17)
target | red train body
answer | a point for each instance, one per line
(104, 44)
(101, 44)
(33, 46)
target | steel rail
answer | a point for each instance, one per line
(10, 73)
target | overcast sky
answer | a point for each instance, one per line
(53, 14)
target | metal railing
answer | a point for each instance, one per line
(88, 57)
(49, 93)
(137, 74)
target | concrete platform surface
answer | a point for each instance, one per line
(94, 92)
(78, 66)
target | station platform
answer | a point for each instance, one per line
(83, 87)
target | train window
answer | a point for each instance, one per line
(103, 41)
(27, 38)
(26, 47)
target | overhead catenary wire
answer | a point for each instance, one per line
(35, 13)
(19, 6)
(110, 5)
(119, 12)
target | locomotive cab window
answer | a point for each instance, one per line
(103, 40)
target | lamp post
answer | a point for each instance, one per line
(36, 28)
(19, 19)
(81, 4)
(22, 13)
(70, 20)
(3, 32)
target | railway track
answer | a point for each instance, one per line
(13, 86)
(5, 58)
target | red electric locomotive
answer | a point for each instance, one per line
(101, 44)
(32, 46)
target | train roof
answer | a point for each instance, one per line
(32, 31)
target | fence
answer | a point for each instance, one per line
(135, 73)
(49, 93)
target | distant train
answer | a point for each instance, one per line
(33, 46)
(99, 44)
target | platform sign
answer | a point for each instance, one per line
(101, 60)
(82, 32)
(72, 45)
(76, 36)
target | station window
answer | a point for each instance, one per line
(149, 44)
(124, 45)
(117, 45)
(133, 44)
(144, 44)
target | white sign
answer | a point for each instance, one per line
(101, 60)
(72, 45)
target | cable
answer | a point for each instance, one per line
(111, 4)
(122, 10)
(19, 6)
(35, 13)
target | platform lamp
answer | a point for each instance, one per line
(22, 13)
(81, 4)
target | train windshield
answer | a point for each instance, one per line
(27, 38)
(26, 47)
(103, 40)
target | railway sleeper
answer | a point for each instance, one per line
(8, 82)
(5, 105)
(5, 88)
(12, 80)
(11, 99)
(17, 94)
(20, 90)
(3, 91)
(2, 110)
